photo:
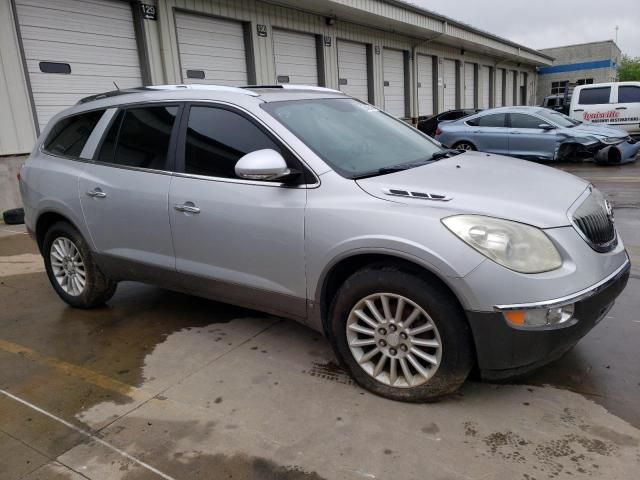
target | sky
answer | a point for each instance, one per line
(544, 23)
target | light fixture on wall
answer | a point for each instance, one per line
(330, 20)
(462, 51)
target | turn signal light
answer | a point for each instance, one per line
(539, 317)
(438, 131)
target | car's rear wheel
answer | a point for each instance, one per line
(400, 336)
(71, 269)
(465, 146)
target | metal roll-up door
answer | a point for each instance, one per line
(352, 69)
(425, 85)
(449, 84)
(394, 82)
(499, 87)
(212, 50)
(485, 96)
(469, 85)
(76, 48)
(296, 57)
(508, 90)
(522, 88)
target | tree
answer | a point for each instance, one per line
(629, 69)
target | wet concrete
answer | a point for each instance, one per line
(164, 385)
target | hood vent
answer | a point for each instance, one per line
(419, 195)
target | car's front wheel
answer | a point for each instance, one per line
(73, 273)
(400, 336)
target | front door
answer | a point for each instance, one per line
(527, 140)
(489, 133)
(124, 193)
(237, 240)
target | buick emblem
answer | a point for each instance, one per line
(609, 209)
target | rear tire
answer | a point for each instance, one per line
(71, 269)
(418, 359)
(468, 146)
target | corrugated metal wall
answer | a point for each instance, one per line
(17, 129)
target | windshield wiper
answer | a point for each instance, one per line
(406, 166)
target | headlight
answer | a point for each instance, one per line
(520, 247)
(612, 140)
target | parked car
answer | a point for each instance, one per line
(429, 125)
(417, 262)
(559, 103)
(535, 133)
(615, 104)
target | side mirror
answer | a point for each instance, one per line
(264, 164)
(546, 126)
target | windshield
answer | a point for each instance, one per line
(557, 118)
(354, 138)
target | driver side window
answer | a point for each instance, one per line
(217, 138)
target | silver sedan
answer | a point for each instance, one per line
(536, 133)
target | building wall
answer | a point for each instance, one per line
(576, 62)
(17, 128)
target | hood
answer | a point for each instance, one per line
(595, 131)
(486, 184)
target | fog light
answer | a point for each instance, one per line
(540, 317)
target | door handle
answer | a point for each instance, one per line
(621, 108)
(514, 133)
(579, 110)
(96, 193)
(187, 208)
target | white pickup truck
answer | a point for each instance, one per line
(616, 104)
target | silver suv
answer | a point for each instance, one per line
(418, 263)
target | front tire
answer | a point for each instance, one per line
(400, 336)
(71, 269)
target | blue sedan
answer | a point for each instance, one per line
(536, 133)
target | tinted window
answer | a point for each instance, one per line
(628, 94)
(218, 138)
(551, 102)
(520, 120)
(594, 96)
(450, 116)
(143, 138)
(495, 120)
(69, 135)
(109, 143)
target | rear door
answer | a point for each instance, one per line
(489, 133)
(243, 240)
(527, 140)
(124, 192)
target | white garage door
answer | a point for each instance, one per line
(499, 84)
(485, 97)
(352, 69)
(425, 85)
(522, 88)
(296, 57)
(508, 90)
(394, 94)
(89, 44)
(212, 50)
(469, 85)
(449, 84)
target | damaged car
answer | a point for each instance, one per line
(535, 133)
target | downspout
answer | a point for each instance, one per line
(414, 80)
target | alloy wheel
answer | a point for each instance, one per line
(394, 340)
(68, 266)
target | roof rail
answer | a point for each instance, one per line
(290, 86)
(192, 86)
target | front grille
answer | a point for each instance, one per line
(594, 220)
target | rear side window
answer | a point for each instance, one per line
(628, 94)
(68, 136)
(594, 96)
(495, 120)
(217, 139)
(139, 137)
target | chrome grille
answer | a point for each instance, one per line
(594, 220)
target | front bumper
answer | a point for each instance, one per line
(504, 351)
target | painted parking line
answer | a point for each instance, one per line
(95, 378)
(87, 434)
